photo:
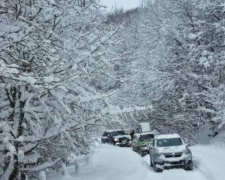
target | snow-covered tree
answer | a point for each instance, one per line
(50, 53)
(178, 63)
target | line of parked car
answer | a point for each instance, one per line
(116, 137)
(166, 150)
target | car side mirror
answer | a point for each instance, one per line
(187, 143)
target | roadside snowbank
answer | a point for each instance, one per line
(115, 163)
(110, 163)
(210, 161)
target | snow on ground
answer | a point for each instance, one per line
(115, 163)
(111, 163)
(210, 161)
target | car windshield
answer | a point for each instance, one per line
(116, 133)
(146, 137)
(121, 132)
(169, 142)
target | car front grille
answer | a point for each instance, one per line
(122, 139)
(174, 163)
(172, 155)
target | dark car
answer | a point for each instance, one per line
(116, 137)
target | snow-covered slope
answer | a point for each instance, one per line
(115, 163)
(210, 161)
(111, 163)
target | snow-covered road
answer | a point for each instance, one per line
(115, 163)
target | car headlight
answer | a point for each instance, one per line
(157, 153)
(116, 139)
(186, 151)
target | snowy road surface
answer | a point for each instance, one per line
(115, 163)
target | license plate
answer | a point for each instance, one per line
(124, 141)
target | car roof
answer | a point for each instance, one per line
(167, 136)
(114, 130)
(146, 133)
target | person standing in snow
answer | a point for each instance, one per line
(132, 134)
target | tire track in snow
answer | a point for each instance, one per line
(209, 160)
(203, 169)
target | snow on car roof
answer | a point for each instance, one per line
(144, 133)
(114, 130)
(167, 136)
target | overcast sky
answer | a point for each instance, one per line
(125, 4)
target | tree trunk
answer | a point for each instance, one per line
(15, 173)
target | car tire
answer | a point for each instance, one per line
(155, 168)
(189, 167)
(151, 163)
(140, 152)
(112, 142)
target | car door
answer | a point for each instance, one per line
(139, 142)
(134, 143)
(104, 137)
(108, 137)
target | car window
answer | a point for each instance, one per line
(146, 137)
(104, 134)
(114, 133)
(169, 142)
(120, 132)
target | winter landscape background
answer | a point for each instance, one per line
(68, 71)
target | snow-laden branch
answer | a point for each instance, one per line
(41, 167)
(117, 110)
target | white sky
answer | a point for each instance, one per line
(125, 4)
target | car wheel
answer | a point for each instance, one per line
(189, 167)
(140, 152)
(112, 142)
(151, 162)
(155, 168)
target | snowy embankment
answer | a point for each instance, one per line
(110, 163)
(210, 161)
(115, 163)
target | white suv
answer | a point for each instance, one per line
(169, 150)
